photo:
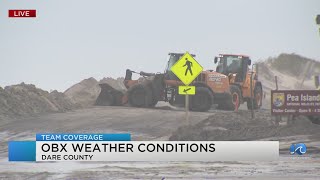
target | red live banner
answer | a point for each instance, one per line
(22, 13)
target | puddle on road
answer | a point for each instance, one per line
(166, 169)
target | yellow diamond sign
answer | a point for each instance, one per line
(186, 68)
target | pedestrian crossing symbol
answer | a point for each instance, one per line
(186, 68)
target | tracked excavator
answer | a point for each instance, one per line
(228, 86)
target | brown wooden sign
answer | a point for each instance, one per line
(303, 102)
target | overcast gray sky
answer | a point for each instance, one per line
(76, 39)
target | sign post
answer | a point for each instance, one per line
(318, 21)
(187, 69)
(187, 109)
(251, 95)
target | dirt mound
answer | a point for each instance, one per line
(26, 99)
(86, 92)
(9, 105)
(61, 101)
(293, 64)
(224, 126)
(115, 83)
(293, 72)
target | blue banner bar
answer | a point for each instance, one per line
(82, 137)
(22, 151)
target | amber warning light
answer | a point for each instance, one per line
(22, 13)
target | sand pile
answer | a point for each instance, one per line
(9, 105)
(293, 72)
(294, 65)
(115, 83)
(239, 126)
(86, 92)
(27, 99)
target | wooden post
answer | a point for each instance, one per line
(278, 117)
(276, 79)
(251, 95)
(317, 82)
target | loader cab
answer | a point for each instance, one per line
(173, 58)
(233, 64)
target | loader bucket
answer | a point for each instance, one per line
(109, 96)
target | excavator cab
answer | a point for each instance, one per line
(237, 65)
(173, 58)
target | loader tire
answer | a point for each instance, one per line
(257, 101)
(235, 95)
(139, 96)
(202, 100)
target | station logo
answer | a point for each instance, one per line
(278, 99)
(299, 148)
